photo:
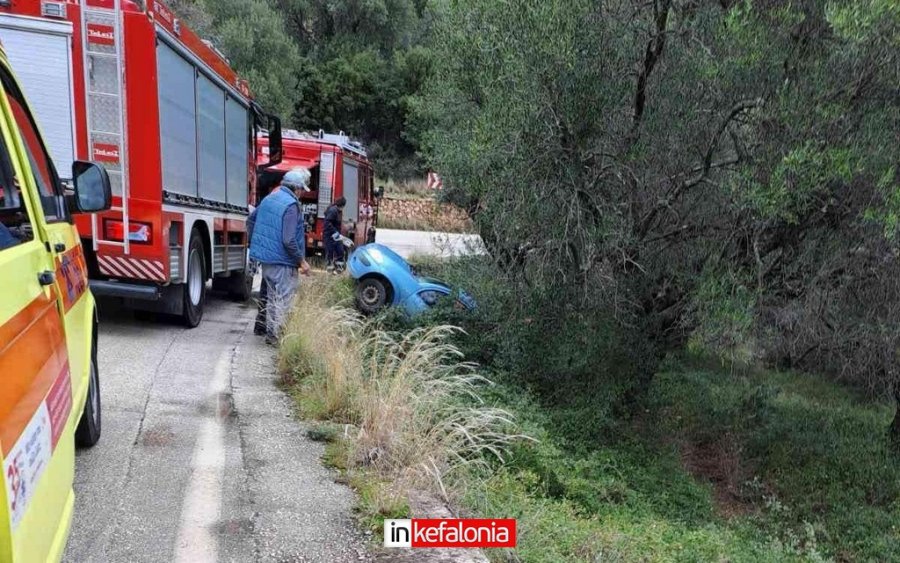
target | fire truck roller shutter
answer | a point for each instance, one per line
(177, 121)
(237, 150)
(40, 55)
(351, 192)
(211, 130)
(326, 181)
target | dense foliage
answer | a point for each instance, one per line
(717, 174)
(720, 462)
(339, 65)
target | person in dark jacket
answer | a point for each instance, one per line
(278, 242)
(334, 250)
(7, 239)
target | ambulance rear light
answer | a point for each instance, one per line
(138, 232)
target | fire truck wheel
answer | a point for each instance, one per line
(88, 431)
(195, 285)
(371, 295)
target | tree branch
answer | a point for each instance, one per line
(652, 54)
(700, 173)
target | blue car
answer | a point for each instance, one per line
(384, 278)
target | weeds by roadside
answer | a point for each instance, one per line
(716, 465)
(411, 407)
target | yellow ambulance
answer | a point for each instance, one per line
(49, 385)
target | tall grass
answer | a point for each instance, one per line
(320, 347)
(411, 405)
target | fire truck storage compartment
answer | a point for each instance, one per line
(204, 133)
(211, 132)
(40, 53)
(326, 181)
(351, 192)
(177, 121)
(237, 136)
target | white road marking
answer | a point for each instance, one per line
(202, 504)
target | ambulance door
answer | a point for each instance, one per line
(64, 245)
(38, 456)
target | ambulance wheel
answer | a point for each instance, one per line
(88, 431)
(194, 290)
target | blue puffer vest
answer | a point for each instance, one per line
(267, 245)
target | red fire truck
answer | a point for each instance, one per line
(128, 84)
(339, 167)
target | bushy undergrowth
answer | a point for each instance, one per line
(813, 458)
(411, 405)
(713, 462)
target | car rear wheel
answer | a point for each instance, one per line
(371, 295)
(88, 431)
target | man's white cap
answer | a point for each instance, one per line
(297, 178)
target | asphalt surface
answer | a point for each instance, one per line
(201, 458)
(407, 243)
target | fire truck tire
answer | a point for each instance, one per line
(88, 431)
(371, 295)
(194, 287)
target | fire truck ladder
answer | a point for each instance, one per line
(103, 32)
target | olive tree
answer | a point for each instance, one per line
(719, 174)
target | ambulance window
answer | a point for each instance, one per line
(15, 228)
(42, 168)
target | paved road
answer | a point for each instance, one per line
(407, 243)
(200, 457)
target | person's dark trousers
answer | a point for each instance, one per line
(337, 251)
(260, 327)
(334, 251)
(329, 250)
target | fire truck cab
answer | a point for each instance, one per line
(340, 167)
(49, 383)
(128, 84)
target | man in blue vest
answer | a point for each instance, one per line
(278, 242)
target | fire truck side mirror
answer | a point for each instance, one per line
(378, 192)
(272, 123)
(275, 147)
(93, 191)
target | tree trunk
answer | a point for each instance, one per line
(894, 431)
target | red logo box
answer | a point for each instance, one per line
(450, 533)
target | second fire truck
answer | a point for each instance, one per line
(340, 167)
(126, 83)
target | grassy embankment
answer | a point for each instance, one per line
(719, 464)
